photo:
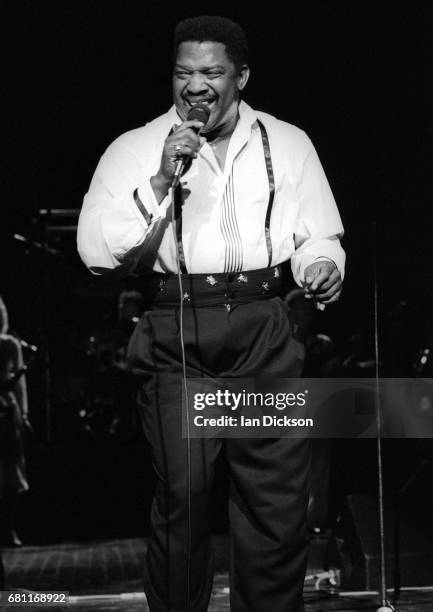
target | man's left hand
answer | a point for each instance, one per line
(323, 282)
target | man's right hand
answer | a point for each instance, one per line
(184, 141)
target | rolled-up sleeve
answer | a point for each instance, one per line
(318, 226)
(119, 212)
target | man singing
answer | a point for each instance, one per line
(252, 195)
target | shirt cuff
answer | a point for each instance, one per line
(330, 250)
(146, 204)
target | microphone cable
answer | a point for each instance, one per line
(198, 112)
(185, 388)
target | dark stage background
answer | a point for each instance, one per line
(354, 76)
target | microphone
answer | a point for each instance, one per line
(199, 112)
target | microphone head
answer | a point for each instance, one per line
(199, 112)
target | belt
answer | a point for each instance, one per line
(229, 289)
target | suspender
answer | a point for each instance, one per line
(271, 180)
(178, 202)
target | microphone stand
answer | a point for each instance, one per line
(385, 604)
(42, 247)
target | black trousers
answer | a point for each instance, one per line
(268, 477)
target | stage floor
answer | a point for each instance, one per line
(106, 576)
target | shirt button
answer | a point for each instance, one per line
(228, 307)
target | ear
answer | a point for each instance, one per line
(243, 76)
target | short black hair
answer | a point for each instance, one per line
(216, 29)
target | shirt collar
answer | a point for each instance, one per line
(243, 129)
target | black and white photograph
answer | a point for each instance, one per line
(216, 307)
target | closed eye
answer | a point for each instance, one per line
(213, 75)
(182, 74)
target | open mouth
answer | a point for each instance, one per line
(207, 102)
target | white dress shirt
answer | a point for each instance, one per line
(223, 215)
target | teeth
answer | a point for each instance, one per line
(208, 102)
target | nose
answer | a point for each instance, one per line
(197, 84)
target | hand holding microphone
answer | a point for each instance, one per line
(183, 144)
(199, 114)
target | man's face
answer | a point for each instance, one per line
(204, 73)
